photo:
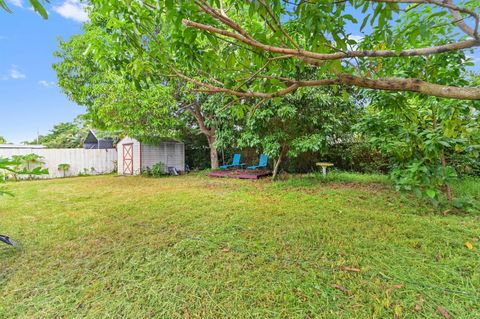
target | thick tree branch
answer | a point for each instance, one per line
(386, 84)
(304, 54)
(459, 21)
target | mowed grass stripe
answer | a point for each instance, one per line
(110, 247)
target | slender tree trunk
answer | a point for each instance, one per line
(213, 151)
(448, 190)
(443, 161)
(276, 164)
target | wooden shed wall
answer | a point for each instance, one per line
(172, 154)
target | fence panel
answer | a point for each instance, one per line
(81, 161)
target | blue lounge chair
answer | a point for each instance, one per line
(262, 163)
(235, 162)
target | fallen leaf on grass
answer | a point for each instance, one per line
(419, 304)
(445, 213)
(469, 245)
(443, 312)
(350, 269)
(389, 290)
(226, 250)
(341, 288)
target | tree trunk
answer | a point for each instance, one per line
(276, 165)
(448, 190)
(213, 151)
(209, 133)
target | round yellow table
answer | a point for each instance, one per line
(324, 167)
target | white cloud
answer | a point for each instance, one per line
(357, 38)
(16, 74)
(72, 9)
(46, 84)
(13, 74)
(17, 3)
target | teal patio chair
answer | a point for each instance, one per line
(262, 163)
(235, 162)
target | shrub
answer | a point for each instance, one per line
(157, 170)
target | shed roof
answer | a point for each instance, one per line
(91, 137)
(150, 140)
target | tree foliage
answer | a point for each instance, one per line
(312, 120)
(100, 74)
(114, 103)
(248, 48)
(64, 135)
(423, 135)
(419, 135)
(37, 6)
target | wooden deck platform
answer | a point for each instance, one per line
(240, 173)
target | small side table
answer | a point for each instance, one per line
(324, 167)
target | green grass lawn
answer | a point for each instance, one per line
(195, 247)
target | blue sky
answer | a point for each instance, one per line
(29, 97)
(30, 101)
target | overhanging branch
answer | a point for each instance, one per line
(385, 84)
(304, 54)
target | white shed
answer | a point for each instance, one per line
(134, 157)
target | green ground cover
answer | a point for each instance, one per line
(196, 247)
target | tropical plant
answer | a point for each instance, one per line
(64, 167)
(32, 160)
(6, 166)
(3, 140)
(11, 165)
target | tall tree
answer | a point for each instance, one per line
(121, 94)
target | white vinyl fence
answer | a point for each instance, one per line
(81, 161)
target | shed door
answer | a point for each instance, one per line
(128, 159)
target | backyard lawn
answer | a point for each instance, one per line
(197, 247)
